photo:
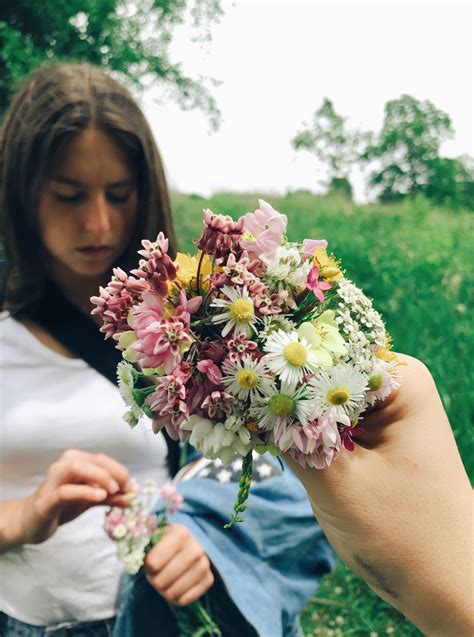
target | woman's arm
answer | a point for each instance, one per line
(398, 510)
(74, 483)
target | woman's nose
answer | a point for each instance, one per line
(97, 217)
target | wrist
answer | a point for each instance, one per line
(16, 528)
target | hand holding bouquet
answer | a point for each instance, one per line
(254, 343)
(136, 530)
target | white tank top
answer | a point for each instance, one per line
(49, 403)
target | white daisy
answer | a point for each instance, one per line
(381, 381)
(289, 356)
(282, 406)
(239, 314)
(246, 378)
(339, 393)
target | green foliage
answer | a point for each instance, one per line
(413, 260)
(404, 156)
(406, 147)
(341, 186)
(451, 182)
(129, 37)
(333, 144)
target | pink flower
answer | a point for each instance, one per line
(315, 285)
(264, 302)
(172, 497)
(157, 267)
(311, 245)
(316, 444)
(160, 343)
(149, 311)
(221, 235)
(267, 226)
(239, 347)
(185, 308)
(218, 404)
(236, 271)
(347, 433)
(206, 380)
(115, 301)
(210, 370)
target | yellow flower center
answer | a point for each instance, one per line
(281, 405)
(247, 378)
(375, 382)
(296, 354)
(241, 310)
(338, 395)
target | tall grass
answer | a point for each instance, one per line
(415, 262)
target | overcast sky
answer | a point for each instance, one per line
(277, 60)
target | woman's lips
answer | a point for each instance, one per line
(95, 251)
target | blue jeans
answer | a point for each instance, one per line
(10, 627)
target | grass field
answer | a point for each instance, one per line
(415, 262)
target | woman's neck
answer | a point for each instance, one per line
(78, 289)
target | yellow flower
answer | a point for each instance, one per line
(327, 265)
(386, 355)
(187, 267)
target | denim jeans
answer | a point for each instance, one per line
(10, 627)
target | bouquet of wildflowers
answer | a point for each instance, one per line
(254, 343)
(136, 530)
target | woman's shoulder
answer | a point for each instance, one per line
(24, 339)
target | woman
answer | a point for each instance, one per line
(81, 184)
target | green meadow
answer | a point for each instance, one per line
(415, 262)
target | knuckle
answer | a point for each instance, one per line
(157, 582)
(70, 454)
(182, 601)
(179, 531)
(196, 552)
(417, 369)
(101, 457)
(53, 468)
(170, 595)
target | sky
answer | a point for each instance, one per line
(277, 60)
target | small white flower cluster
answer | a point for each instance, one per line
(362, 325)
(287, 272)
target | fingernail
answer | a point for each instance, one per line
(113, 487)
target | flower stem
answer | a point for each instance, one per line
(244, 489)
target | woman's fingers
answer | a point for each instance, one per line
(178, 568)
(94, 469)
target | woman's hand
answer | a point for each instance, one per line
(398, 510)
(177, 566)
(73, 484)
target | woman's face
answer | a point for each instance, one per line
(87, 207)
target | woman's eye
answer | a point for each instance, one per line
(115, 197)
(73, 198)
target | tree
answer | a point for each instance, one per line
(407, 149)
(131, 37)
(451, 181)
(333, 144)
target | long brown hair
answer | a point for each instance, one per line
(57, 102)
